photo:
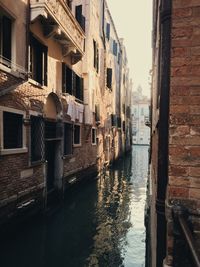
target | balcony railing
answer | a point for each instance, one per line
(186, 241)
(59, 24)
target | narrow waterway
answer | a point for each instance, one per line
(99, 224)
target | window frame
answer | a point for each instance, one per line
(80, 135)
(72, 136)
(8, 151)
(34, 41)
(7, 62)
(95, 137)
(32, 163)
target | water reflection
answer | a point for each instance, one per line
(100, 224)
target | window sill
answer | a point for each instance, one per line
(33, 82)
(77, 145)
(9, 70)
(67, 156)
(36, 163)
(14, 151)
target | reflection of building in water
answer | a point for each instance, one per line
(113, 218)
(140, 117)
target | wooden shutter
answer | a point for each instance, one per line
(109, 78)
(69, 80)
(63, 78)
(81, 88)
(45, 64)
(79, 14)
(95, 53)
(108, 31)
(6, 29)
(97, 112)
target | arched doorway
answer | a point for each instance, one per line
(53, 144)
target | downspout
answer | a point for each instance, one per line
(163, 128)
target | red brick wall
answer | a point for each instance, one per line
(184, 133)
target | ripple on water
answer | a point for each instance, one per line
(100, 225)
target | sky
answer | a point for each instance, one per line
(133, 21)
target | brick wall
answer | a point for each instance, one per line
(184, 140)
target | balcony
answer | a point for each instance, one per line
(59, 24)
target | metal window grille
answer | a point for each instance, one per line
(37, 139)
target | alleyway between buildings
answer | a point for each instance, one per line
(100, 223)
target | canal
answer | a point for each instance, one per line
(101, 223)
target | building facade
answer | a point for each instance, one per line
(174, 194)
(140, 118)
(60, 84)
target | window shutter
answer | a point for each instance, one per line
(63, 78)
(97, 61)
(97, 112)
(6, 28)
(78, 13)
(74, 83)
(109, 78)
(79, 17)
(45, 64)
(68, 80)
(114, 47)
(108, 31)
(95, 53)
(81, 89)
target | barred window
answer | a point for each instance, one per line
(37, 138)
(12, 130)
(68, 141)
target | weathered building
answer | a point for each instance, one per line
(140, 118)
(174, 218)
(59, 91)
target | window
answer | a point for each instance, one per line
(37, 138)
(94, 136)
(5, 39)
(53, 130)
(115, 47)
(119, 122)
(113, 120)
(71, 82)
(109, 78)
(96, 56)
(97, 113)
(124, 126)
(79, 88)
(68, 139)
(38, 61)
(79, 17)
(108, 31)
(67, 79)
(69, 3)
(77, 135)
(119, 58)
(12, 130)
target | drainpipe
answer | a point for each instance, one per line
(163, 128)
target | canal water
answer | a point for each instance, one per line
(101, 223)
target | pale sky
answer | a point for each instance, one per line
(133, 21)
